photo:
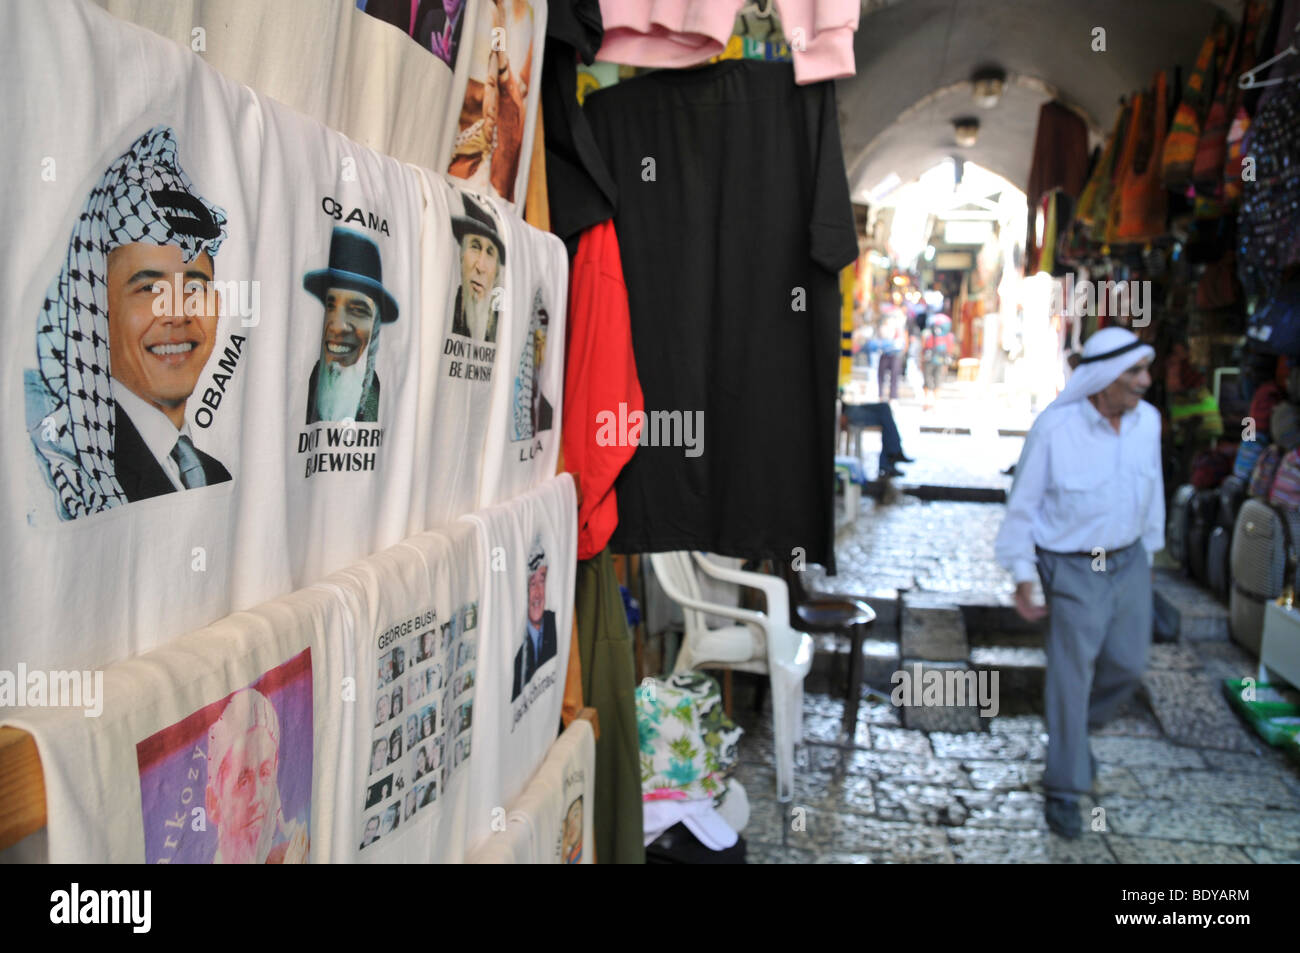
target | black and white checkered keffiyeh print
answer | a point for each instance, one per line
(526, 378)
(144, 196)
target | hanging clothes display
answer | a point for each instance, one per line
(237, 398)
(600, 381)
(1060, 161)
(675, 35)
(736, 341)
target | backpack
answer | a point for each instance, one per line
(1261, 478)
(1263, 548)
(1232, 493)
(1285, 491)
(1248, 455)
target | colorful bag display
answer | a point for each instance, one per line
(1285, 491)
(1261, 478)
(1094, 201)
(1268, 223)
(1248, 455)
(1143, 202)
(1212, 148)
(1124, 164)
(1185, 130)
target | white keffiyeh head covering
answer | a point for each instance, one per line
(1109, 353)
(528, 377)
(144, 196)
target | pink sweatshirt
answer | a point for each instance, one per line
(678, 33)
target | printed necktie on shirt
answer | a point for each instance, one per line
(187, 459)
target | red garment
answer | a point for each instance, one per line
(599, 376)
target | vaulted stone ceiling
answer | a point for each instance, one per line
(915, 59)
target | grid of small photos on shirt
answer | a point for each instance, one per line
(422, 721)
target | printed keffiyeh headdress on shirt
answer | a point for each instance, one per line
(144, 196)
(1107, 354)
(528, 377)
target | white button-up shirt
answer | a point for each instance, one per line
(1081, 486)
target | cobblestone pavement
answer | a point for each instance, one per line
(1182, 779)
(908, 543)
(900, 796)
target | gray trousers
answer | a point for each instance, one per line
(1098, 645)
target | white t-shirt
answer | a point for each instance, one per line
(150, 779)
(527, 616)
(523, 436)
(551, 821)
(524, 40)
(325, 59)
(466, 255)
(415, 608)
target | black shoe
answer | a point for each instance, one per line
(901, 458)
(890, 471)
(1063, 817)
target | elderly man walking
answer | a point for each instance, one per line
(1086, 514)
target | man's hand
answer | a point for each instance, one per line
(1029, 610)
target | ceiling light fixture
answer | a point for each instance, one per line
(987, 85)
(966, 131)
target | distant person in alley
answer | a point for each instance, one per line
(1086, 515)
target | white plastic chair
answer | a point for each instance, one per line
(760, 642)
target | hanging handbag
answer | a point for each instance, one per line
(1143, 201)
(1095, 197)
(1232, 166)
(1212, 148)
(1123, 164)
(1185, 130)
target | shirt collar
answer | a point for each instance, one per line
(156, 430)
(1094, 417)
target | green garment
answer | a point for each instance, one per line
(609, 685)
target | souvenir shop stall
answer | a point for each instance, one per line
(1185, 226)
(360, 347)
